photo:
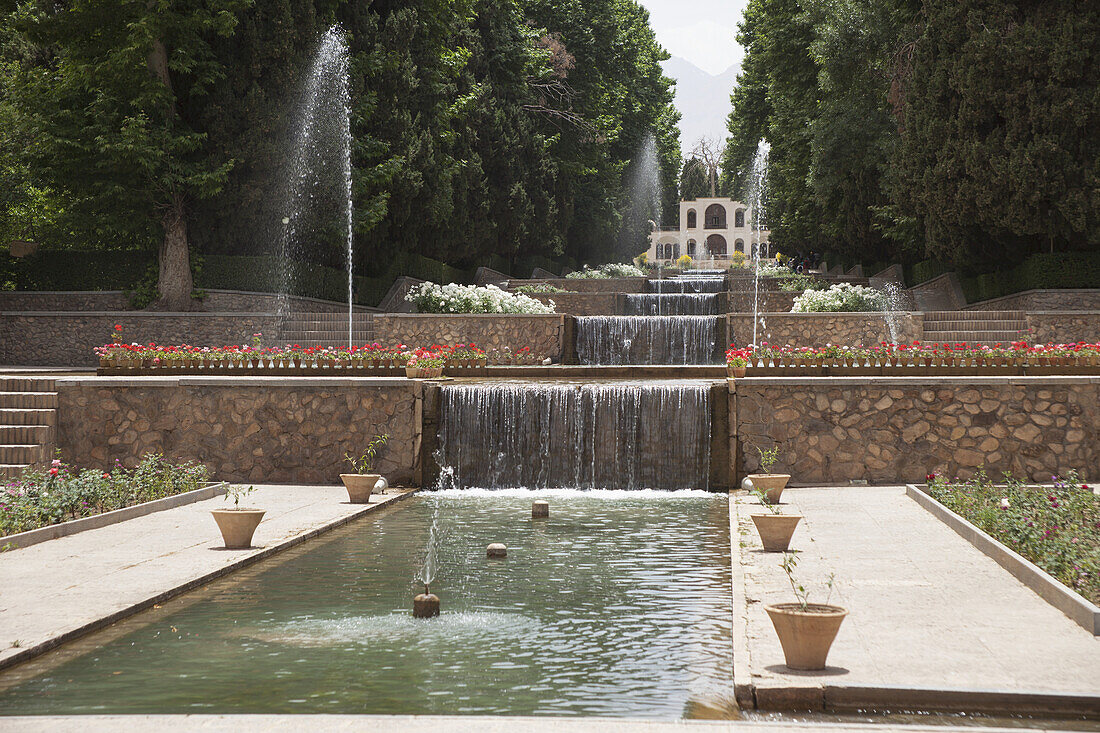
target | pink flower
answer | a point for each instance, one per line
(56, 462)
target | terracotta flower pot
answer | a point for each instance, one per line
(361, 485)
(413, 372)
(770, 483)
(238, 526)
(775, 530)
(737, 371)
(806, 635)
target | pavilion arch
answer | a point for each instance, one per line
(739, 245)
(691, 248)
(691, 219)
(715, 217)
(739, 218)
(716, 245)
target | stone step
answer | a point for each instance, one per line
(974, 316)
(11, 470)
(29, 399)
(21, 454)
(975, 326)
(27, 384)
(24, 434)
(972, 337)
(28, 416)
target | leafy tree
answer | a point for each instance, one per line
(693, 180)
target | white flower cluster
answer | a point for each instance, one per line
(611, 269)
(769, 269)
(432, 298)
(841, 297)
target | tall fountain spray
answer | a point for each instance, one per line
(319, 162)
(644, 189)
(757, 190)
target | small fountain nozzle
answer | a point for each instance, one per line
(426, 605)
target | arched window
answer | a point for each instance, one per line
(715, 218)
(739, 218)
(691, 248)
(691, 218)
(675, 251)
(716, 245)
(739, 245)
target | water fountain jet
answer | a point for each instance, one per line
(426, 604)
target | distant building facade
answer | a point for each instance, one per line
(710, 231)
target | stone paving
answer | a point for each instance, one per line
(927, 611)
(58, 589)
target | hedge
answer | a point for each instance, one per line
(1044, 271)
(80, 270)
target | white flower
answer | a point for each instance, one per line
(1004, 503)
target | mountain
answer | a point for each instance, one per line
(703, 100)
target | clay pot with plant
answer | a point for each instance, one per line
(364, 481)
(770, 483)
(806, 630)
(238, 524)
(774, 527)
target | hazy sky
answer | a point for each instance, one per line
(701, 31)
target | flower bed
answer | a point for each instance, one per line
(432, 298)
(949, 358)
(43, 497)
(1056, 527)
(840, 298)
(606, 272)
(239, 359)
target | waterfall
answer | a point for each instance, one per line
(607, 340)
(591, 436)
(671, 304)
(688, 284)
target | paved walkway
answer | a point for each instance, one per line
(57, 589)
(926, 610)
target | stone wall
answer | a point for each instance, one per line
(819, 329)
(943, 293)
(67, 339)
(245, 430)
(545, 335)
(1043, 300)
(770, 301)
(890, 430)
(594, 285)
(582, 304)
(117, 300)
(1064, 327)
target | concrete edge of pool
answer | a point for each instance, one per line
(256, 555)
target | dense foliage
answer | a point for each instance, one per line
(902, 129)
(483, 129)
(1056, 527)
(41, 497)
(841, 297)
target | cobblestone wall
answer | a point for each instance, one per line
(582, 304)
(1043, 300)
(594, 285)
(543, 334)
(883, 430)
(278, 431)
(67, 339)
(1064, 327)
(819, 329)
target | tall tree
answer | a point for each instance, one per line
(693, 180)
(105, 113)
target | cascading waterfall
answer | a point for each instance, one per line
(688, 284)
(610, 340)
(591, 436)
(320, 146)
(671, 304)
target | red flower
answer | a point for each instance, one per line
(53, 471)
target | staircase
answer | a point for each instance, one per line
(975, 327)
(328, 329)
(28, 416)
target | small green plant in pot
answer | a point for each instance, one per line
(806, 630)
(774, 527)
(238, 524)
(771, 483)
(364, 481)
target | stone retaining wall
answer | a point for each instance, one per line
(1079, 299)
(770, 301)
(886, 430)
(582, 304)
(593, 285)
(1064, 327)
(292, 430)
(67, 339)
(545, 335)
(819, 329)
(942, 293)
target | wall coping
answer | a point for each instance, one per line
(140, 314)
(478, 315)
(234, 381)
(823, 314)
(207, 290)
(915, 381)
(1095, 291)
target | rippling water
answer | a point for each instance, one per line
(618, 605)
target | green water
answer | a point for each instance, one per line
(618, 605)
